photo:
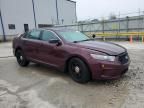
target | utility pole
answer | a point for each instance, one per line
(1, 19)
(143, 21)
(119, 22)
(57, 12)
(103, 28)
(33, 5)
(139, 19)
(103, 25)
(127, 24)
(118, 31)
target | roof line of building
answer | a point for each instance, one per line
(71, 1)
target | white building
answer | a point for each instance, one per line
(20, 15)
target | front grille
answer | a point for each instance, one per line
(123, 58)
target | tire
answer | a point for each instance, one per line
(21, 59)
(78, 70)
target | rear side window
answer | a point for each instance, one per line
(35, 34)
(47, 35)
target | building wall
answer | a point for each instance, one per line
(18, 12)
(45, 11)
(67, 12)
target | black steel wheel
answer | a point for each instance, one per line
(78, 70)
(21, 59)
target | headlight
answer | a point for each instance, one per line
(103, 57)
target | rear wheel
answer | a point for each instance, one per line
(21, 59)
(78, 70)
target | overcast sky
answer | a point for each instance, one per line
(88, 9)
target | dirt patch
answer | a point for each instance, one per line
(40, 87)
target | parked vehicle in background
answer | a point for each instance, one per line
(73, 52)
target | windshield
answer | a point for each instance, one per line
(73, 36)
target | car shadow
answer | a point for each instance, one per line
(53, 72)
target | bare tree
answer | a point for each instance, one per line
(112, 16)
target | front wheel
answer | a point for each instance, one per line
(21, 59)
(78, 70)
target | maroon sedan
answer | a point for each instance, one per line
(73, 52)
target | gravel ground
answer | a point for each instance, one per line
(41, 87)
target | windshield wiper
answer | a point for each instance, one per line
(82, 40)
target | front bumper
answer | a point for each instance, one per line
(107, 70)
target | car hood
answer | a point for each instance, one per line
(105, 47)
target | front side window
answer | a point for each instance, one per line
(35, 34)
(47, 35)
(73, 36)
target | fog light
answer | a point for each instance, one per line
(102, 66)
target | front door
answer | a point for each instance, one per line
(51, 53)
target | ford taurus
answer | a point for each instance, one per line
(72, 51)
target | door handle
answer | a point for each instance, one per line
(38, 47)
(24, 42)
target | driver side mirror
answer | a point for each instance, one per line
(55, 41)
(93, 35)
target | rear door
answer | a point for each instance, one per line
(31, 44)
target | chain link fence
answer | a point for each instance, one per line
(115, 27)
